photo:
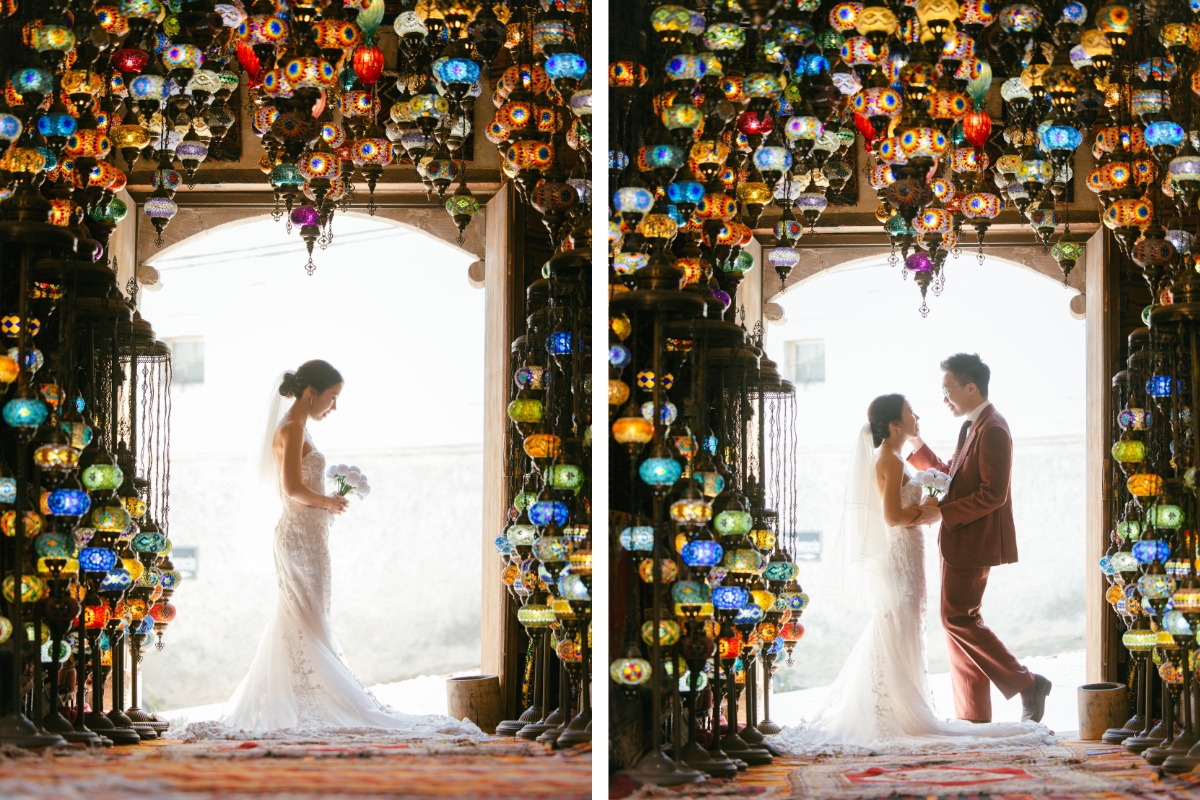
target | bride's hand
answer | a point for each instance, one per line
(930, 500)
(336, 504)
(929, 514)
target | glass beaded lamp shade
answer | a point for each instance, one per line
(550, 550)
(535, 615)
(702, 553)
(1144, 484)
(543, 512)
(25, 412)
(780, 571)
(637, 537)
(111, 517)
(1148, 551)
(633, 430)
(733, 523)
(691, 511)
(566, 477)
(660, 471)
(669, 632)
(630, 671)
(692, 595)
(103, 477)
(33, 588)
(542, 445)
(729, 598)
(32, 522)
(1129, 530)
(1164, 516)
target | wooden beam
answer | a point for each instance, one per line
(1101, 636)
(502, 273)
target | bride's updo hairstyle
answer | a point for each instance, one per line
(318, 374)
(883, 411)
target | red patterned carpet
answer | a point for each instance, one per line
(1070, 771)
(298, 771)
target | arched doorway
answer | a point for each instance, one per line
(853, 332)
(392, 308)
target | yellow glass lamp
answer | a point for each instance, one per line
(33, 589)
(581, 562)
(135, 567)
(631, 430)
(763, 599)
(33, 523)
(1139, 640)
(1144, 484)
(936, 18)
(65, 566)
(535, 616)
(542, 445)
(669, 632)
(667, 570)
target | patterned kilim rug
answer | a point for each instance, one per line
(298, 770)
(1071, 770)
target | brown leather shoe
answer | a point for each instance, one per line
(1033, 699)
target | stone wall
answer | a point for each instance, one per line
(406, 565)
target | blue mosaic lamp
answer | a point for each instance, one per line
(96, 559)
(1159, 386)
(1149, 550)
(659, 469)
(545, 511)
(702, 554)
(25, 411)
(68, 502)
(730, 598)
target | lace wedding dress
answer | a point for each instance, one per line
(880, 702)
(299, 683)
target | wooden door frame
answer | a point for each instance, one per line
(503, 304)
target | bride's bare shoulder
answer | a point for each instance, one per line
(288, 430)
(887, 466)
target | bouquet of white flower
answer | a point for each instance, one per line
(349, 479)
(935, 483)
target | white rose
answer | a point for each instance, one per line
(354, 471)
(363, 491)
(940, 483)
(341, 469)
(926, 479)
(331, 472)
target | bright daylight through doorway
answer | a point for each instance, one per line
(237, 308)
(853, 333)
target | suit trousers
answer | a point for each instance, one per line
(977, 656)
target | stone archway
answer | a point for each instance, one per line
(205, 220)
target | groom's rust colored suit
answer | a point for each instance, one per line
(977, 534)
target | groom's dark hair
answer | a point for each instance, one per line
(969, 368)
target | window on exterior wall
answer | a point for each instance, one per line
(806, 361)
(808, 546)
(187, 360)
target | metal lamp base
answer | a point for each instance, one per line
(16, 729)
(657, 769)
(769, 727)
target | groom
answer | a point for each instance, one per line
(977, 533)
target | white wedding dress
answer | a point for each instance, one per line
(880, 702)
(299, 683)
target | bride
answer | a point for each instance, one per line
(299, 683)
(880, 702)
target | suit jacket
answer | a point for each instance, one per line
(977, 520)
